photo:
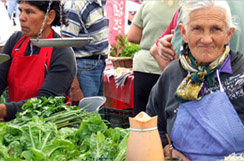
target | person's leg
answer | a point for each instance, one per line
(90, 77)
(143, 83)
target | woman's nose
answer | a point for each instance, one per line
(21, 16)
(206, 38)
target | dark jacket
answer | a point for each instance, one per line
(162, 101)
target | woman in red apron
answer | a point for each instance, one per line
(33, 71)
(201, 106)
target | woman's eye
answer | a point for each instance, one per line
(29, 11)
(216, 29)
(196, 28)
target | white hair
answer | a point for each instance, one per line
(192, 5)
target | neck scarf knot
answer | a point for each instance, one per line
(189, 89)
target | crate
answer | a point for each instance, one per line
(117, 117)
(116, 104)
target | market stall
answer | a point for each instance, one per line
(119, 82)
(119, 95)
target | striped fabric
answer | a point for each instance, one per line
(87, 18)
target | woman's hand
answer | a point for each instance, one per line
(76, 93)
(162, 63)
(164, 53)
(174, 152)
(3, 111)
(180, 155)
(165, 48)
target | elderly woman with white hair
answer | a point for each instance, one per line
(199, 98)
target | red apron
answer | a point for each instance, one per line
(27, 73)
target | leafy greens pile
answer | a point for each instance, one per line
(123, 48)
(38, 139)
(52, 109)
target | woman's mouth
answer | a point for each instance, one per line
(24, 28)
(206, 47)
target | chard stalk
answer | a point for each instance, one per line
(31, 137)
(45, 141)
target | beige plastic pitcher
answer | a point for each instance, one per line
(144, 141)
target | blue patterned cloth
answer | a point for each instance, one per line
(209, 129)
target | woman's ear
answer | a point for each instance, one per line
(183, 32)
(50, 17)
(229, 35)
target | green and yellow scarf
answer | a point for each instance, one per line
(189, 89)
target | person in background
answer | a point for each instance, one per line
(150, 21)
(32, 71)
(13, 10)
(7, 29)
(88, 18)
(199, 97)
(167, 47)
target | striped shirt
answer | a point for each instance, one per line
(87, 18)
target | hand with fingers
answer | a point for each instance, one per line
(163, 52)
(165, 48)
(172, 153)
(3, 111)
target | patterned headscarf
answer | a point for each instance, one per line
(189, 89)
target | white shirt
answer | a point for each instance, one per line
(6, 29)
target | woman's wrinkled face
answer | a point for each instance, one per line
(31, 19)
(206, 34)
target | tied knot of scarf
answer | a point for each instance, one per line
(189, 89)
(200, 76)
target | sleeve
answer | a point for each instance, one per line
(171, 26)
(72, 12)
(4, 68)
(155, 106)
(138, 19)
(61, 73)
(13, 107)
(177, 39)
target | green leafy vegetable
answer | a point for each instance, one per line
(3, 97)
(123, 48)
(40, 138)
(53, 109)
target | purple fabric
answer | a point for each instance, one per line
(209, 129)
(225, 68)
